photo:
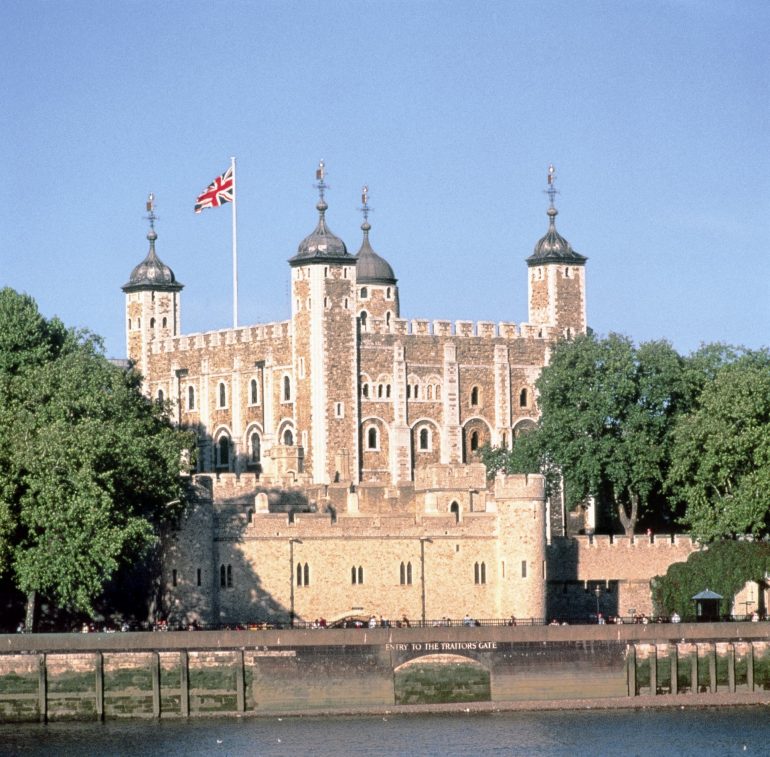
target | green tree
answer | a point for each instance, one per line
(607, 411)
(721, 454)
(89, 467)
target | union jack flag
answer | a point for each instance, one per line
(220, 190)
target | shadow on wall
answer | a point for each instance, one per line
(567, 598)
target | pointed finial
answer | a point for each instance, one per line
(321, 185)
(151, 217)
(551, 191)
(365, 209)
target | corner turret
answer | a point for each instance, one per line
(152, 300)
(556, 278)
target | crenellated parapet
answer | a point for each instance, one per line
(463, 329)
(264, 333)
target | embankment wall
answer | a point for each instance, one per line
(95, 676)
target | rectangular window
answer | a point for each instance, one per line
(198, 577)
(173, 577)
(339, 410)
(523, 568)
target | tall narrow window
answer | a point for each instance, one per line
(480, 573)
(523, 398)
(288, 438)
(160, 396)
(387, 318)
(164, 323)
(362, 318)
(229, 576)
(191, 398)
(198, 577)
(357, 575)
(474, 396)
(173, 577)
(474, 441)
(409, 573)
(223, 452)
(306, 574)
(286, 389)
(454, 508)
(424, 439)
(402, 574)
(152, 323)
(222, 576)
(405, 574)
(371, 438)
(254, 392)
(365, 391)
(256, 448)
(523, 568)
(222, 394)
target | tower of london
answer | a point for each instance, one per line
(338, 466)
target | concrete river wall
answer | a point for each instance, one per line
(182, 674)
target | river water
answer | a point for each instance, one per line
(669, 732)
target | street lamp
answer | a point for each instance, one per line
(423, 539)
(597, 593)
(292, 542)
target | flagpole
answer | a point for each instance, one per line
(235, 250)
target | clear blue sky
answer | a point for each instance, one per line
(656, 114)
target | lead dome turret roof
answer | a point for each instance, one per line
(372, 268)
(553, 247)
(152, 272)
(322, 245)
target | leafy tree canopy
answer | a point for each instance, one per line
(724, 567)
(89, 466)
(721, 453)
(606, 410)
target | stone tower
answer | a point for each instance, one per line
(325, 354)
(557, 286)
(152, 301)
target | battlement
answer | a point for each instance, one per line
(263, 332)
(637, 542)
(461, 329)
(520, 486)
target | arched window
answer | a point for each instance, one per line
(222, 397)
(417, 391)
(152, 323)
(250, 516)
(256, 448)
(438, 391)
(388, 293)
(364, 293)
(474, 396)
(405, 574)
(523, 398)
(129, 324)
(164, 322)
(454, 508)
(286, 389)
(160, 396)
(299, 574)
(303, 574)
(409, 573)
(480, 573)
(191, 398)
(223, 452)
(357, 575)
(362, 318)
(307, 575)
(365, 391)
(254, 392)
(371, 438)
(288, 438)
(387, 391)
(424, 439)
(474, 441)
